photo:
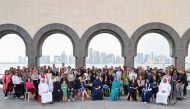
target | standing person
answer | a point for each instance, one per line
(126, 81)
(132, 74)
(133, 89)
(118, 73)
(185, 82)
(17, 83)
(115, 90)
(97, 89)
(55, 71)
(146, 92)
(6, 79)
(180, 85)
(173, 84)
(64, 89)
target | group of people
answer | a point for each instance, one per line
(53, 84)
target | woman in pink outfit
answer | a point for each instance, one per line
(6, 79)
(29, 85)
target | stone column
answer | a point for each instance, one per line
(33, 61)
(129, 61)
(178, 62)
(179, 58)
(79, 61)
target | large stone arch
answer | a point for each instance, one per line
(167, 31)
(48, 30)
(22, 33)
(185, 41)
(110, 28)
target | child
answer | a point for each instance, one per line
(64, 89)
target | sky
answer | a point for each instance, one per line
(12, 46)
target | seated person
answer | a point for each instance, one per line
(57, 92)
(106, 88)
(29, 86)
(71, 91)
(146, 92)
(141, 83)
(82, 89)
(44, 92)
(115, 89)
(88, 85)
(97, 89)
(133, 89)
(164, 92)
(64, 88)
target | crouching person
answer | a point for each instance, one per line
(44, 92)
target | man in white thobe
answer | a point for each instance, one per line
(44, 92)
(164, 92)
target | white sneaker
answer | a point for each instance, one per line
(69, 100)
(5, 97)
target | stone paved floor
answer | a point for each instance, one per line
(13, 103)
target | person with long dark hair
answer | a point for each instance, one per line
(97, 89)
(35, 78)
(155, 84)
(115, 89)
(29, 86)
(57, 92)
(141, 83)
(133, 89)
(6, 79)
(16, 79)
(146, 92)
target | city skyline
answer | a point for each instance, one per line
(146, 45)
(101, 58)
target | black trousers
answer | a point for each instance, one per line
(18, 90)
(36, 83)
(71, 93)
(133, 94)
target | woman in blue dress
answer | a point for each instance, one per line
(97, 89)
(146, 92)
(115, 89)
